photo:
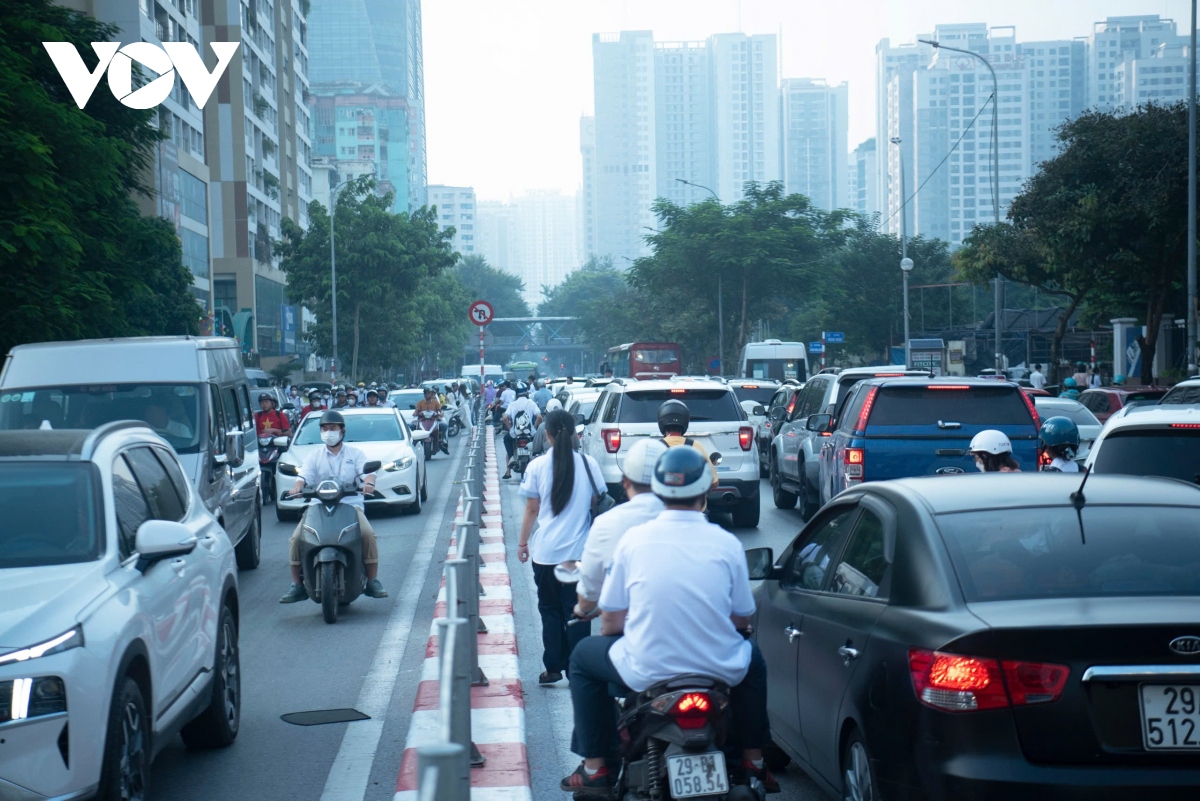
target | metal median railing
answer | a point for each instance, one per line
(444, 768)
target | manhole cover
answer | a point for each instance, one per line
(320, 716)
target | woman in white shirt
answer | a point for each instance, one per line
(558, 487)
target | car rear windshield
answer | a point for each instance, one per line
(1043, 553)
(757, 393)
(1176, 395)
(1170, 453)
(359, 428)
(50, 513)
(703, 405)
(1079, 415)
(406, 400)
(914, 406)
(172, 410)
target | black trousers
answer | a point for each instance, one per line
(555, 604)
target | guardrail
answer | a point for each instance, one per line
(444, 769)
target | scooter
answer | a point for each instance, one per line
(428, 420)
(269, 451)
(522, 434)
(331, 543)
(457, 421)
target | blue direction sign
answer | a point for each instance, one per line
(835, 337)
(815, 347)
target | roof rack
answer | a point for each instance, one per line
(90, 444)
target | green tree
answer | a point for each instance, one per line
(381, 259)
(76, 256)
(608, 309)
(485, 282)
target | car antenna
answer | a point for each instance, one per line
(1079, 499)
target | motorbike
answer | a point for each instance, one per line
(457, 421)
(672, 737)
(331, 543)
(428, 420)
(522, 434)
(269, 451)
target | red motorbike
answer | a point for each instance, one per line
(428, 420)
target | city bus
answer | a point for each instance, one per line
(643, 360)
(774, 360)
(523, 369)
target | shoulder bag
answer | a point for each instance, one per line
(601, 501)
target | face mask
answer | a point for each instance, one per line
(979, 466)
(331, 438)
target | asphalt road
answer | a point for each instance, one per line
(293, 661)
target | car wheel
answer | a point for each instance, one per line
(217, 725)
(249, 550)
(746, 513)
(783, 499)
(286, 515)
(808, 506)
(414, 508)
(425, 486)
(858, 780)
(126, 764)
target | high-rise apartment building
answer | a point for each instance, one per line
(894, 68)
(1057, 75)
(1117, 40)
(587, 191)
(543, 241)
(456, 207)
(259, 153)
(745, 92)
(815, 119)
(495, 232)
(368, 90)
(864, 176)
(683, 111)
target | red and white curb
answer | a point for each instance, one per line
(497, 710)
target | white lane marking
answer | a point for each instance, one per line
(350, 773)
(519, 793)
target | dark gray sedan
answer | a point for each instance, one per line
(990, 636)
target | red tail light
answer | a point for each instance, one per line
(792, 403)
(955, 683)
(745, 437)
(949, 386)
(1029, 404)
(691, 711)
(1044, 457)
(853, 460)
(865, 412)
(1185, 425)
(612, 439)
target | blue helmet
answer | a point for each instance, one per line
(1118, 380)
(1060, 432)
(1069, 383)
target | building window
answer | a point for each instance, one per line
(195, 252)
(194, 197)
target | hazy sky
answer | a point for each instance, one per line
(507, 80)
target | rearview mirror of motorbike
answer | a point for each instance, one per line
(371, 467)
(280, 442)
(760, 562)
(420, 435)
(820, 423)
(288, 469)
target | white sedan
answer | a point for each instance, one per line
(381, 434)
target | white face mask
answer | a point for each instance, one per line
(331, 438)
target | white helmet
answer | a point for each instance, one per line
(990, 441)
(681, 473)
(553, 405)
(639, 462)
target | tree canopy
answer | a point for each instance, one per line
(485, 282)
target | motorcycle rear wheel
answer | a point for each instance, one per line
(329, 601)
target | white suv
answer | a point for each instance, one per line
(118, 613)
(1157, 441)
(628, 410)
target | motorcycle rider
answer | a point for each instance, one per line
(351, 400)
(342, 463)
(315, 403)
(542, 396)
(1060, 437)
(340, 401)
(270, 421)
(1070, 389)
(521, 404)
(993, 452)
(430, 404)
(372, 397)
(383, 399)
(674, 601)
(673, 421)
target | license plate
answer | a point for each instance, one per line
(522, 451)
(1171, 717)
(691, 775)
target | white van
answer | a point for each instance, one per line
(774, 360)
(192, 391)
(491, 372)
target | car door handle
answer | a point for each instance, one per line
(847, 653)
(792, 633)
(209, 541)
(179, 565)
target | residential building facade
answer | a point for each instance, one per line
(543, 241)
(864, 178)
(495, 229)
(745, 100)
(587, 191)
(815, 118)
(456, 208)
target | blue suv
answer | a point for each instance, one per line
(904, 427)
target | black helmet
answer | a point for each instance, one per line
(673, 414)
(316, 393)
(681, 474)
(262, 396)
(332, 418)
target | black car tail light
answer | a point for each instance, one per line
(956, 683)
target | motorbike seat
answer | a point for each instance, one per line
(687, 681)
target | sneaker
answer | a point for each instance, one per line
(769, 782)
(507, 474)
(295, 594)
(579, 782)
(445, 449)
(375, 589)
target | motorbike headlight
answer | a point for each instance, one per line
(63, 642)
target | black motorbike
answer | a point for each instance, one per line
(331, 543)
(269, 451)
(672, 737)
(522, 434)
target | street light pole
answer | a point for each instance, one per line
(904, 259)
(999, 312)
(720, 291)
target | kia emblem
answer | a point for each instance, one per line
(949, 471)
(1186, 646)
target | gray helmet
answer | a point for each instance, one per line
(332, 418)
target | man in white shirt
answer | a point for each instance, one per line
(1037, 379)
(520, 404)
(344, 464)
(607, 530)
(678, 590)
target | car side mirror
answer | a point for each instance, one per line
(161, 539)
(760, 562)
(235, 450)
(579, 419)
(288, 469)
(372, 466)
(759, 410)
(288, 407)
(420, 435)
(819, 423)
(280, 442)
(777, 413)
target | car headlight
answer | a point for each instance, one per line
(63, 642)
(402, 463)
(30, 698)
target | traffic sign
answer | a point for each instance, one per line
(481, 312)
(835, 337)
(714, 365)
(815, 347)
